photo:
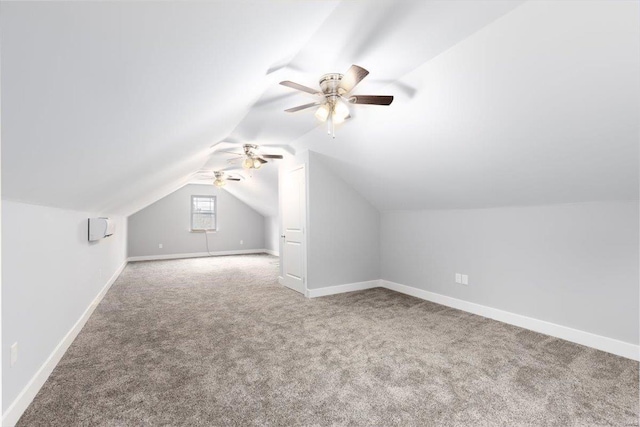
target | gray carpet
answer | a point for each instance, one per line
(217, 342)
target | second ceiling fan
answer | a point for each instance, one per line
(220, 177)
(335, 89)
(253, 159)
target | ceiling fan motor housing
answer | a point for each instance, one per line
(329, 84)
(249, 149)
(335, 87)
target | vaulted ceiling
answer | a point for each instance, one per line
(109, 106)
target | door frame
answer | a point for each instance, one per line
(305, 228)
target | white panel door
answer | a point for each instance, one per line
(293, 222)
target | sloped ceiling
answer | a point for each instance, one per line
(539, 107)
(109, 106)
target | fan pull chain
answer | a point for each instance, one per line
(331, 130)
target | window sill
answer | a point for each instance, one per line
(203, 231)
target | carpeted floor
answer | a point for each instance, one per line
(217, 342)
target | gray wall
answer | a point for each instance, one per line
(50, 276)
(272, 233)
(343, 230)
(167, 221)
(575, 264)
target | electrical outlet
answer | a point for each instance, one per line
(242, 242)
(458, 278)
(465, 279)
(159, 245)
(14, 353)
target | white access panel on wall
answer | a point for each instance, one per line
(293, 225)
(99, 228)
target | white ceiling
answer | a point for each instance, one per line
(540, 107)
(110, 106)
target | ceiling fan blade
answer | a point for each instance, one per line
(272, 156)
(261, 160)
(371, 99)
(298, 86)
(352, 77)
(233, 179)
(303, 107)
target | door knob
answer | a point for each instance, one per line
(282, 235)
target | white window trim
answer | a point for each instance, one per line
(215, 215)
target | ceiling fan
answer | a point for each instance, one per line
(253, 158)
(335, 89)
(220, 178)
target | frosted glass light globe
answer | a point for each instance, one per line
(322, 113)
(340, 112)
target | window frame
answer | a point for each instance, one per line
(214, 214)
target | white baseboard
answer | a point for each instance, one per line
(196, 255)
(272, 252)
(339, 289)
(281, 280)
(588, 339)
(28, 393)
(610, 345)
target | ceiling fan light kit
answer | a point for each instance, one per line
(322, 113)
(220, 178)
(340, 111)
(333, 108)
(335, 88)
(253, 158)
(251, 163)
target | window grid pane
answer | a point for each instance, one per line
(202, 204)
(204, 221)
(203, 215)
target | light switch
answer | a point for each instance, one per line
(465, 279)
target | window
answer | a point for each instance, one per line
(203, 213)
